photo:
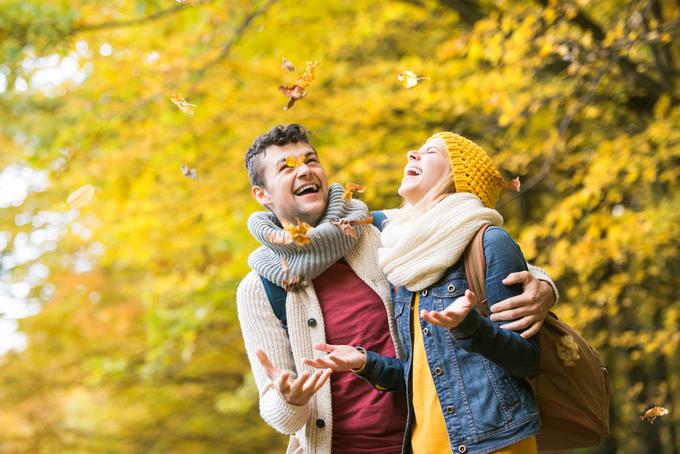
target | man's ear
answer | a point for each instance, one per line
(261, 195)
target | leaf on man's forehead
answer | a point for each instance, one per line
(287, 64)
(351, 188)
(298, 232)
(298, 91)
(189, 173)
(292, 161)
(184, 106)
(567, 350)
(409, 79)
(81, 196)
(653, 413)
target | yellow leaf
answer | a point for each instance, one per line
(567, 350)
(184, 106)
(81, 196)
(351, 188)
(298, 233)
(409, 79)
(292, 161)
(653, 413)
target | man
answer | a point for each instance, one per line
(336, 294)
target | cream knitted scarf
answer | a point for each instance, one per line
(328, 243)
(416, 253)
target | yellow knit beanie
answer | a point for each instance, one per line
(473, 169)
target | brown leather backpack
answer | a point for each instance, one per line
(571, 386)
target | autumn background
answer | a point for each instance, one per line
(118, 319)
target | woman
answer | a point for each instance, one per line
(463, 374)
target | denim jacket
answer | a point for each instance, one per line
(478, 368)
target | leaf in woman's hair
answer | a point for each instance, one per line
(653, 413)
(81, 196)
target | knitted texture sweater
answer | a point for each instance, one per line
(261, 329)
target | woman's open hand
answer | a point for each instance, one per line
(454, 314)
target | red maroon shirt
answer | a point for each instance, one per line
(365, 420)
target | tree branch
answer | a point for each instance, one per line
(130, 22)
(236, 36)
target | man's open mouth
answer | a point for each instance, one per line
(307, 189)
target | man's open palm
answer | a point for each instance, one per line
(296, 391)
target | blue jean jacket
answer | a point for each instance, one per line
(478, 368)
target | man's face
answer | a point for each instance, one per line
(293, 193)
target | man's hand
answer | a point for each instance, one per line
(454, 314)
(339, 357)
(293, 391)
(529, 309)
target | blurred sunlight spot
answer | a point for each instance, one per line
(152, 58)
(617, 211)
(17, 181)
(20, 84)
(106, 49)
(11, 338)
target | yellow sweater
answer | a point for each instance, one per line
(429, 435)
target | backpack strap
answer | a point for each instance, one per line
(379, 219)
(277, 300)
(475, 268)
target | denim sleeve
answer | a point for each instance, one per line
(383, 372)
(518, 356)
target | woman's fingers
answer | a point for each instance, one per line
(532, 331)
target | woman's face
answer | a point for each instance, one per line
(424, 169)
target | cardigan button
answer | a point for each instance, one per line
(320, 423)
(311, 323)
(423, 293)
(451, 288)
(462, 449)
(438, 370)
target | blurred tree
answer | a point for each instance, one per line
(137, 347)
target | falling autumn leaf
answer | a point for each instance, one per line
(279, 238)
(409, 79)
(653, 413)
(512, 185)
(347, 226)
(567, 350)
(81, 196)
(298, 91)
(351, 188)
(298, 233)
(189, 173)
(287, 64)
(292, 161)
(184, 106)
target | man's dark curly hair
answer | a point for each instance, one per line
(279, 135)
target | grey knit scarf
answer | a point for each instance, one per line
(328, 243)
